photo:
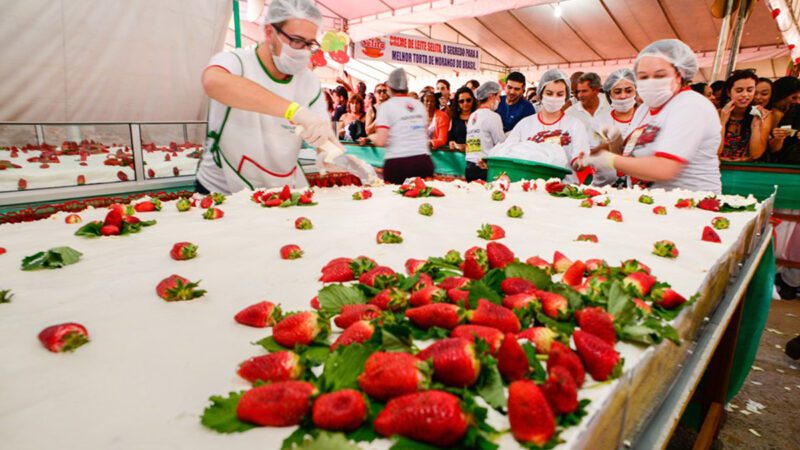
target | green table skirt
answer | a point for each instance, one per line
(760, 180)
(444, 162)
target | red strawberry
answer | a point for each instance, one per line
(207, 202)
(285, 193)
(453, 283)
(362, 195)
(594, 266)
(639, 282)
(667, 298)
(527, 185)
(122, 176)
(2, 251)
(300, 329)
(343, 410)
(151, 173)
(587, 238)
(132, 219)
(599, 357)
(591, 192)
(595, 320)
(454, 361)
(574, 275)
(391, 374)
(442, 315)
(529, 414)
(642, 306)
(314, 303)
(378, 275)
(630, 266)
(660, 211)
(554, 187)
(560, 262)
(536, 261)
(419, 183)
(492, 315)
(114, 217)
(435, 192)
(459, 297)
(351, 314)
(81, 180)
(278, 366)
(709, 235)
(684, 203)
(73, 218)
(433, 417)
(22, 184)
(541, 337)
(176, 288)
(561, 391)
(512, 360)
(337, 270)
(145, 206)
(109, 230)
(428, 295)
(358, 332)
(392, 299)
(213, 214)
(709, 204)
(64, 337)
(389, 237)
(512, 286)
(280, 404)
(291, 251)
(413, 265)
(472, 333)
(425, 281)
(183, 251)
(615, 216)
(260, 315)
(563, 356)
(491, 232)
(475, 263)
(303, 223)
(720, 223)
(554, 305)
(411, 193)
(520, 301)
(499, 255)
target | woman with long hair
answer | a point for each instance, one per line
(351, 125)
(745, 126)
(463, 106)
(438, 121)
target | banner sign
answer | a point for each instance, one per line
(420, 51)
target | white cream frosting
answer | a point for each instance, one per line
(145, 378)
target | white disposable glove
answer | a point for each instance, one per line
(313, 128)
(599, 160)
(349, 163)
(609, 132)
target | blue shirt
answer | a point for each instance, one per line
(511, 115)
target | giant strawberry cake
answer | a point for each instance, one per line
(560, 310)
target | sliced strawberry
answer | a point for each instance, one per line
(709, 235)
(560, 262)
(574, 275)
(65, 337)
(541, 337)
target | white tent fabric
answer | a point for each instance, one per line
(100, 60)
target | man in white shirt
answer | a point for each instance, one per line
(484, 130)
(590, 102)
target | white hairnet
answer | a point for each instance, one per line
(398, 80)
(487, 89)
(283, 10)
(617, 76)
(676, 53)
(550, 76)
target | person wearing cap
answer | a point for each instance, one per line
(673, 138)
(484, 130)
(620, 89)
(551, 125)
(264, 102)
(402, 128)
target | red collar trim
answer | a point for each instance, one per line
(539, 116)
(654, 111)
(617, 119)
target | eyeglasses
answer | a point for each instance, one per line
(465, 100)
(298, 43)
(381, 91)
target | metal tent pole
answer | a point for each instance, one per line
(237, 28)
(723, 40)
(737, 38)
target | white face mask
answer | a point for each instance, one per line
(623, 106)
(655, 91)
(291, 61)
(553, 104)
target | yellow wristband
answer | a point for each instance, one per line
(291, 110)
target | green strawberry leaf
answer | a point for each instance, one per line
(270, 345)
(620, 304)
(431, 333)
(317, 440)
(221, 417)
(490, 386)
(408, 444)
(5, 296)
(51, 259)
(406, 283)
(315, 355)
(639, 334)
(439, 269)
(91, 229)
(561, 327)
(480, 290)
(364, 434)
(334, 296)
(573, 418)
(298, 436)
(393, 337)
(528, 272)
(574, 298)
(537, 374)
(343, 367)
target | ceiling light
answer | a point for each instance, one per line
(557, 11)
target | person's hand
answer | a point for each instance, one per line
(362, 141)
(780, 134)
(601, 147)
(758, 121)
(316, 129)
(600, 160)
(453, 145)
(725, 113)
(482, 164)
(610, 132)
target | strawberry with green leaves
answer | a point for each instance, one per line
(709, 235)
(64, 337)
(562, 356)
(302, 223)
(453, 283)
(351, 314)
(345, 269)
(560, 262)
(587, 238)
(492, 336)
(413, 265)
(259, 315)
(602, 361)
(278, 366)
(441, 315)
(554, 305)
(709, 204)
(561, 391)
(660, 211)
(213, 214)
(455, 362)
(499, 255)
(391, 374)
(520, 301)
(541, 337)
(280, 404)
(632, 265)
(73, 218)
(425, 209)
(498, 196)
(291, 251)
(148, 205)
(427, 295)
(491, 232)
(642, 306)
(183, 204)
(720, 223)
(433, 417)
(513, 286)
(182, 251)
(666, 249)
(587, 203)
(389, 237)
(646, 199)
(390, 299)
(359, 332)
(493, 315)
(667, 298)
(532, 420)
(218, 198)
(614, 216)
(175, 288)
(300, 329)
(639, 283)
(595, 320)
(512, 360)
(684, 203)
(378, 277)
(476, 263)
(541, 263)
(596, 266)
(362, 195)
(207, 202)
(343, 410)
(515, 212)
(574, 275)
